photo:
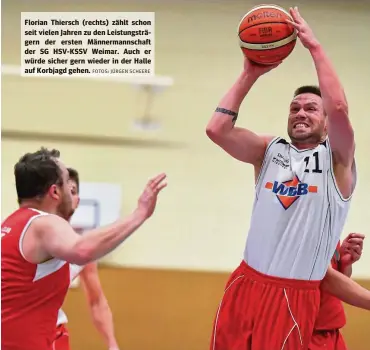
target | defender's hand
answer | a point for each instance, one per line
(148, 199)
(351, 248)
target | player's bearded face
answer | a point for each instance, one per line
(65, 205)
(75, 196)
(65, 196)
(307, 121)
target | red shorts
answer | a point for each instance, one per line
(328, 340)
(260, 312)
(61, 341)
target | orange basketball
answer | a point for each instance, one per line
(264, 36)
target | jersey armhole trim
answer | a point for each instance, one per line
(354, 180)
(274, 140)
(26, 227)
(75, 270)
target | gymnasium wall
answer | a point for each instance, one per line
(198, 232)
(203, 215)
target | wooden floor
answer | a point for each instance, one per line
(170, 310)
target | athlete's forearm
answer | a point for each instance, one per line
(103, 321)
(99, 242)
(340, 130)
(330, 86)
(220, 122)
(346, 289)
(346, 270)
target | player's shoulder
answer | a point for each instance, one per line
(274, 140)
(267, 138)
(47, 223)
(21, 213)
(271, 144)
(20, 218)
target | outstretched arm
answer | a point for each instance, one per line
(340, 130)
(56, 238)
(240, 143)
(346, 289)
(98, 304)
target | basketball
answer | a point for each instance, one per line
(264, 35)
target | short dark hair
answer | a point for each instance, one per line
(36, 172)
(308, 89)
(73, 175)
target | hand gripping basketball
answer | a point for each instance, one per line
(304, 32)
(264, 35)
(148, 198)
(256, 70)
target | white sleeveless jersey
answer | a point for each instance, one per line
(298, 213)
(74, 271)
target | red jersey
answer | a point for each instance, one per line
(331, 313)
(31, 294)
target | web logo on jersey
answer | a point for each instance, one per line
(289, 191)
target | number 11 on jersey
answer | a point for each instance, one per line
(316, 168)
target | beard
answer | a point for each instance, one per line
(65, 211)
(69, 216)
(310, 137)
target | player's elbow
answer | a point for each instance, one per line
(341, 107)
(214, 133)
(79, 258)
(81, 254)
(211, 132)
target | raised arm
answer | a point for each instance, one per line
(99, 308)
(240, 143)
(56, 238)
(340, 130)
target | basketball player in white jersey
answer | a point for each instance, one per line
(99, 309)
(302, 197)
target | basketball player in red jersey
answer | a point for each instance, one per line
(303, 191)
(331, 317)
(38, 244)
(98, 304)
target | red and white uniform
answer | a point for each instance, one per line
(61, 341)
(31, 294)
(272, 299)
(331, 318)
